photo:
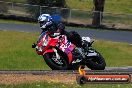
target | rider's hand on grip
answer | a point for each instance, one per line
(33, 45)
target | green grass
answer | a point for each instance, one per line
(118, 6)
(116, 54)
(16, 52)
(111, 6)
(60, 85)
(115, 6)
(80, 4)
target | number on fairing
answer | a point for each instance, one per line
(63, 47)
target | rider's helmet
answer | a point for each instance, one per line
(45, 21)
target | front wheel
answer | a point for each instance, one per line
(54, 62)
(96, 62)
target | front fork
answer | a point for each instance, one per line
(57, 55)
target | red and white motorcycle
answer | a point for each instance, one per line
(60, 54)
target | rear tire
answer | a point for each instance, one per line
(97, 63)
(52, 64)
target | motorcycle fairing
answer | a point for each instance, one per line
(65, 45)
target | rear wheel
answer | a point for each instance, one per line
(96, 63)
(55, 63)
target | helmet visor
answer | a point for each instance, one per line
(42, 23)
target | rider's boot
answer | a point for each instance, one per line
(79, 52)
(77, 55)
(85, 46)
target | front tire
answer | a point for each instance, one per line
(96, 63)
(48, 57)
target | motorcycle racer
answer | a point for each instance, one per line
(48, 24)
(64, 50)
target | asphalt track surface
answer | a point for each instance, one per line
(108, 70)
(116, 36)
(110, 35)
